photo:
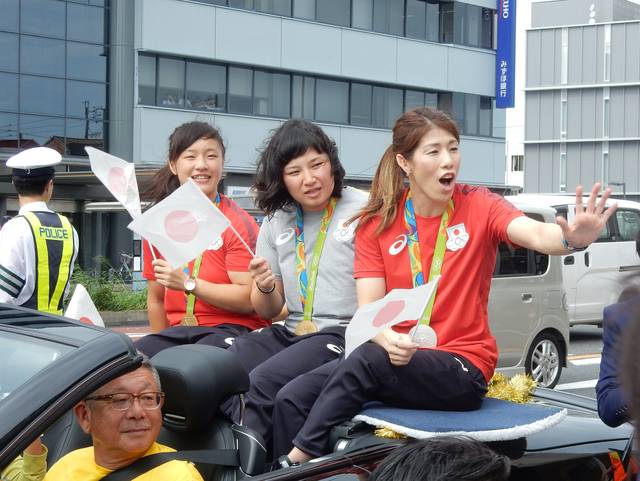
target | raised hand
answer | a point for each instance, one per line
(589, 220)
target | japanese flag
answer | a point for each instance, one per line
(397, 306)
(82, 308)
(182, 225)
(118, 176)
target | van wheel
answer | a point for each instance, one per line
(543, 361)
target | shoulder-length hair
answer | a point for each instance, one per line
(291, 140)
(164, 182)
(388, 182)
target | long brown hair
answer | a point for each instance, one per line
(164, 182)
(387, 186)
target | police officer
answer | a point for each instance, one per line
(39, 247)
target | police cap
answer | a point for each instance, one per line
(35, 162)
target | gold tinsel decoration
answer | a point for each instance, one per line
(517, 389)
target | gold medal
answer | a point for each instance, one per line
(305, 327)
(189, 320)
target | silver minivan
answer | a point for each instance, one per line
(527, 308)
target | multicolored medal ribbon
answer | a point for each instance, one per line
(189, 318)
(307, 280)
(422, 333)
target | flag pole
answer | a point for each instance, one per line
(242, 240)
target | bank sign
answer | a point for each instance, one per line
(505, 54)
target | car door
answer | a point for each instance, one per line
(594, 277)
(518, 289)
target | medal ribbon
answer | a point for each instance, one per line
(413, 246)
(191, 299)
(307, 281)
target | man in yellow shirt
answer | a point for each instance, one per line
(124, 419)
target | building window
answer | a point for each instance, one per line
(605, 163)
(206, 86)
(332, 101)
(607, 52)
(564, 60)
(563, 114)
(606, 111)
(517, 163)
(197, 85)
(446, 22)
(171, 82)
(563, 167)
(240, 90)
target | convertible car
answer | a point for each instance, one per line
(49, 363)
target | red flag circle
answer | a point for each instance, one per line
(86, 320)
(388, 313)
(181, 226)
(117, 181)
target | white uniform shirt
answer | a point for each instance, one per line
(18, 256)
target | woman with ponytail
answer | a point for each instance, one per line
(409, 234)
(206, 301)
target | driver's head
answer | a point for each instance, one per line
(123, 417)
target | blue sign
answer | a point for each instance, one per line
(506, 54)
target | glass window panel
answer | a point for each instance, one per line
(206, 86)
(458, 109)
(41, 95)
(388, 16)
(240, 90)
(85, 23)
(41, 130)
(86, 99)
(170, 82)
(81, 133)
(86, 62)
(146, 80)
(99, 3)
(8, 130)
(43, 56)
(42, 17)
(486, 116)
(446, 22)
(271, 94)
(416, 21)
(445, 103)
(244, 4)
(459, 17)
(332, 101)
(303, 96)
(471, 113)
(9, 89)
(387, 106)
(277, 7)
(486, 38)
(9, 49)
(413, 99)
(9, 17)
(304, 9)
(433, 22)
(431, 100)
(363, 14)
(473, 25)
(361, 104)
(335, 12)
(628, 224)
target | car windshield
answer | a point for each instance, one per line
(23, 357)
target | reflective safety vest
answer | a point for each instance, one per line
(54, 248)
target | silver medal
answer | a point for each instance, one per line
(424, 336)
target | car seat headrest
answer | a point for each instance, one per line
(196, 378)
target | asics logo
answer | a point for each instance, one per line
(286, 235)
(398, 245)
(334, 348)
(229, 340)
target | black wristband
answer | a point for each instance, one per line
(273, 287)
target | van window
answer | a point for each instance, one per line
(513, 261)
(628, 224)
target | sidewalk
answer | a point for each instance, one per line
(137, 318)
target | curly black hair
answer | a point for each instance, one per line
(291, 140)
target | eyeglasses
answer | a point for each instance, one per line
(121, 401)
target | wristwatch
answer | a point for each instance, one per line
(189, 285)
(570, 248)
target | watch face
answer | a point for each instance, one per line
(189, 284)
